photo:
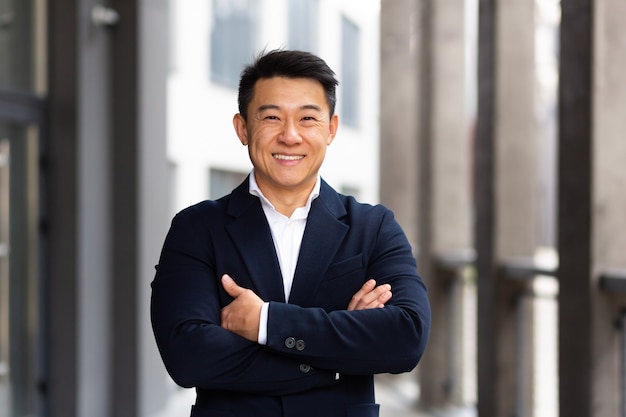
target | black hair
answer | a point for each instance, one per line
(286, 63)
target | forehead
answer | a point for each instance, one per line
(284, 91)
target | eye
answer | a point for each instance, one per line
(308, 120)
(271, 117)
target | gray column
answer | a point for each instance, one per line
(125, 210)
(94, 249)
(153, 199)
(61, 205)
(400, 98)
(591, 205)
(505, 201)
(444, 205)
(609, 203)
(517, 201)
(574, 213)
(484, 203)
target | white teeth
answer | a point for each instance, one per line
(288, 157)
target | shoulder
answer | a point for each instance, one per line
(202, 209)
(348, 206)
(231, 204)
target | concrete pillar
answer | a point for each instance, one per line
(517, 202)
(444, 221)
(609, 204)
(591, 205)
(425, 159)
(154, 195)
(140, 201)
(400, 100)
(574, 213)
(505, 201)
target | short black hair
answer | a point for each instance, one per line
(286, 63)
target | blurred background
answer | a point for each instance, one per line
(493, 129)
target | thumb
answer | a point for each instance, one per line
(231, 286)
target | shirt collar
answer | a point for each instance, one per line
(256, 191)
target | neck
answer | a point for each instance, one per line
(287, 202)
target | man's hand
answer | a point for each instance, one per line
(243, 314)
(370, 296)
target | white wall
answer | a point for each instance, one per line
(200, 132)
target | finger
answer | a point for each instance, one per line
(231, 286)
(357, 297)
(374, 295)
(383, 298)
(378, 302)
(376, 298)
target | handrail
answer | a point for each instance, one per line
(455, 259)
(525, 268)
(613, 280)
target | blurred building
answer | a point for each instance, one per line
(514, 194)
(501, 152)
(113, 116)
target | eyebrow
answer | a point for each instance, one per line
(276, 107)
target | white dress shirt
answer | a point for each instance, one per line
(287, 235)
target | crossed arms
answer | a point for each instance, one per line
(242, 315)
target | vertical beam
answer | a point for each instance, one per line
(444, 187)
(433, 370)
(125, 139)
(154, 199)
(609, 202)
(505, 202)
(94, 237)
(516, 201)
(61, 202)
(484, 202)
(400, 99)
(574, 234)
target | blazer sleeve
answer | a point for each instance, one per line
(196, 350)
(390, 339)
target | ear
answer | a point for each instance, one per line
(332, 129)
(240, 128)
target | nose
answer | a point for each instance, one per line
(290, 134)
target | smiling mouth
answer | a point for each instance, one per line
(287, 157)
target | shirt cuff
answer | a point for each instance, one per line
(263, 324)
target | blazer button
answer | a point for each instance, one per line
(304, 368)
(290, 342)
(300, 345)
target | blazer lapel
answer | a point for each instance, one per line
(321, 241)
(251, 235)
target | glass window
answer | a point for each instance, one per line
(303, 23)
(349, 82)
(4, 277)
(232, 35)
(21, 45)
(22, 78)
(20, 326)
(222, 182)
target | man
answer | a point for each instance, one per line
(276, 300)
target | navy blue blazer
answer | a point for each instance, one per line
(320, 358)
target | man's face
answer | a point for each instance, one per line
(287, 132)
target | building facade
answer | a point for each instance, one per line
(112, 117)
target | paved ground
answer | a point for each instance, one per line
(396, 394)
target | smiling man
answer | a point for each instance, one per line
(284, 298)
